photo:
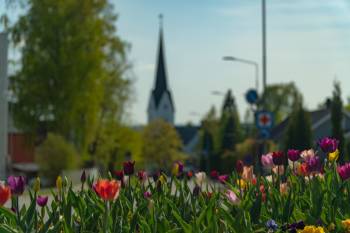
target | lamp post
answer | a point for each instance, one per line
(249, 62)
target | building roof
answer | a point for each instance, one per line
(315, 116)
(161, 85)
(187, 132)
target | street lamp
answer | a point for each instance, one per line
(249, 62)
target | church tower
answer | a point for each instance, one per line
(160, 103)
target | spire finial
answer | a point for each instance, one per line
(160, 20)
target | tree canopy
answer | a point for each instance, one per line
(71, 79)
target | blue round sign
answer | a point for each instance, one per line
(251, 96)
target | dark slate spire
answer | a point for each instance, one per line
(161, 86)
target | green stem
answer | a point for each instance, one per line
(105, 220)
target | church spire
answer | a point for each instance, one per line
(161, 103)
(161, 85)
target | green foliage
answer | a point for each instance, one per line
(280, 99)
(337, 120)
(299, 133)
(114, 141)
(161, 144)
(70, 78)
(54, 155)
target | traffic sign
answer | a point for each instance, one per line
(251, 96)
(264, 119)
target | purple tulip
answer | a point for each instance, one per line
(314, 164)
(293, 155)
(129, 167)
(83, 177)
(42, 200)
(147, 194)
(17, 184)
(344, 171)
(278, 157)
(328, 145)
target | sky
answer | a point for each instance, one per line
(308, 42)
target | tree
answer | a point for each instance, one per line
(208, 145)
(337, 119)
(229, 124)
(161, 144)
(298, 134)
(62, 156)
(71, 79)
(279, 99)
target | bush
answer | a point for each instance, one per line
(55, 155)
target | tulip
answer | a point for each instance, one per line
(346, 224)
(293, 155)
(129, 167)
(107, 189)
(306, 154)
(36, 185)
(147, 194)
(142, 175)
(239, 166)
(214, 174)
(16, 184)
(248, 173)
(271, 225)
(333, 156)
(312, 229)
(42, 200)
(189, 174)
(83, 177)
(232, 197)
(278, 170)
(200, 177)
(328, 145)
(266, 161)
(119, 175)
(223, 178)
(278, 157)
(344, 171)
(241, 184)
(59, 183)
(178, 169)
(283, 188)
(314, 164)
(5, 193)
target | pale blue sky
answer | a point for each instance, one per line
(308, 42)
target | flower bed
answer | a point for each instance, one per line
(300, 192)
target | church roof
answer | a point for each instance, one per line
(161, 86)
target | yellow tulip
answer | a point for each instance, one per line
(59, 183)
(241, 183)
(312, 229)
(346, 224)
(36, 186)
(333, 156)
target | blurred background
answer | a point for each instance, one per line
(93, 83)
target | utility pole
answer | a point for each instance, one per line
(263, 13)
(3, 104)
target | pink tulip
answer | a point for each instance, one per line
(266, 161)
(232, 197)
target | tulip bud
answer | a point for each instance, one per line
(36, 186)
(83, 177)
(59, 183)
(239, 166)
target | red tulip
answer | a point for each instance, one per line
(5, 193)
(107, 189)
(119, 174)
(214, 174)
(239, 166)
